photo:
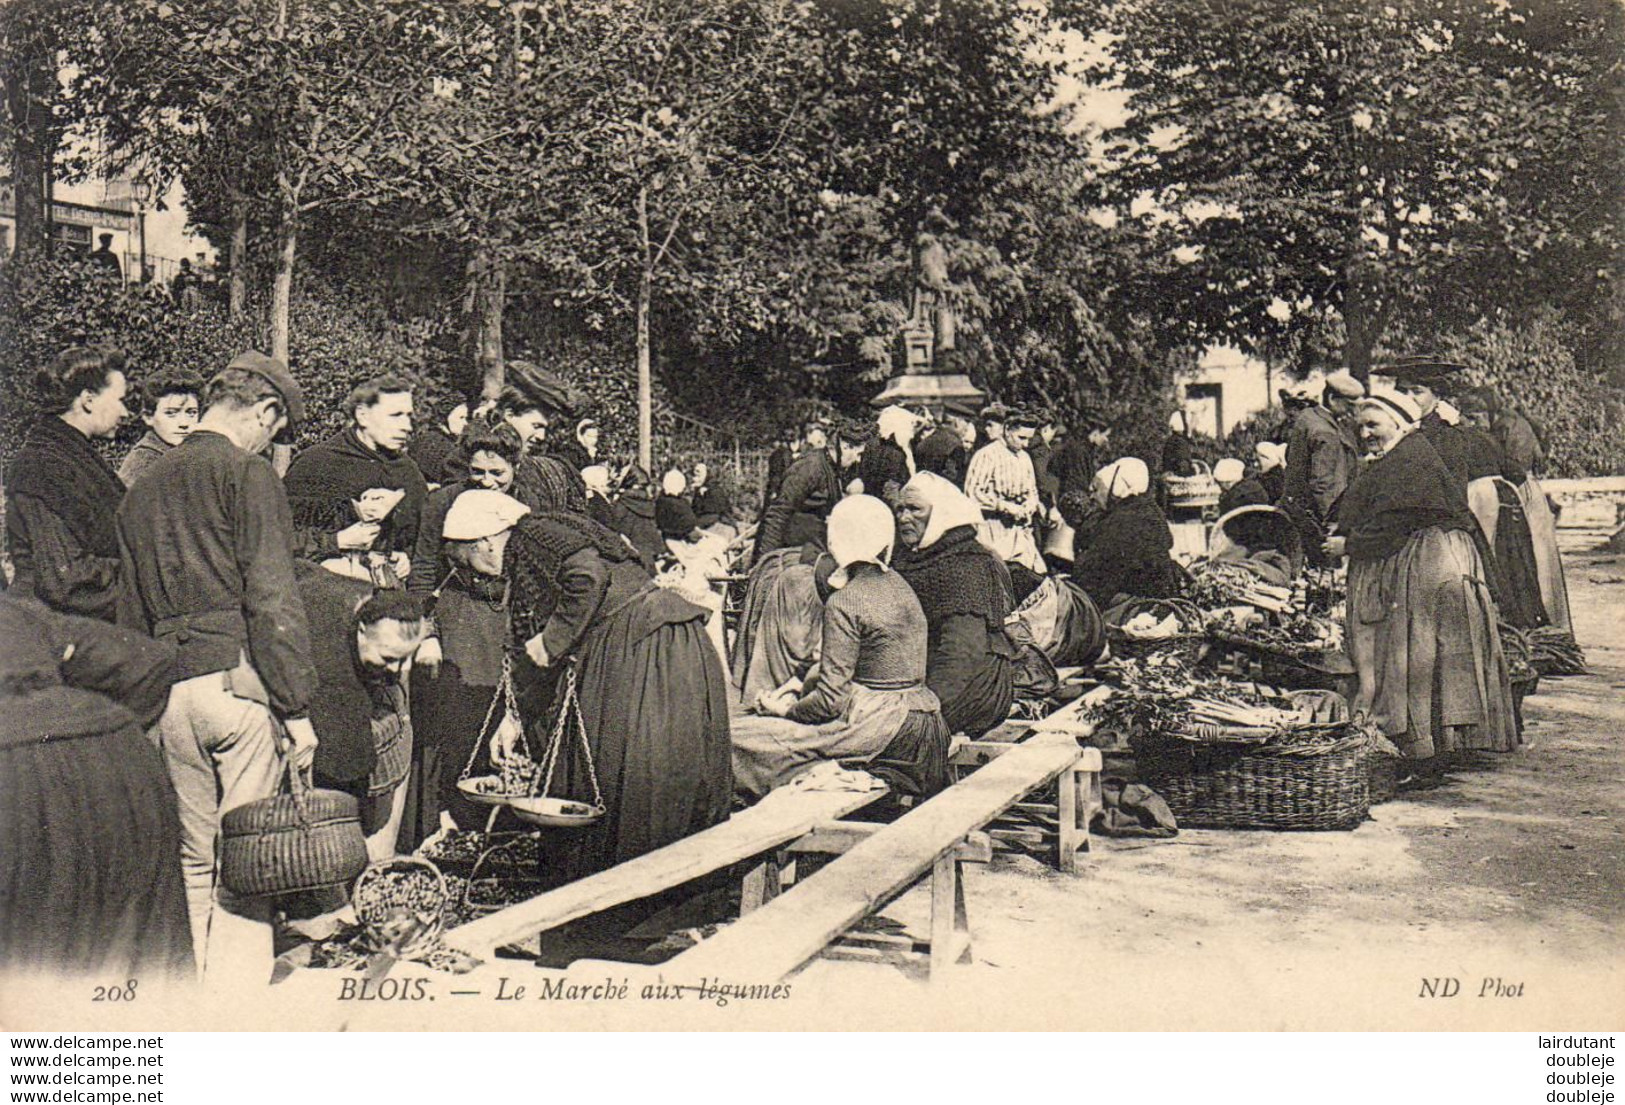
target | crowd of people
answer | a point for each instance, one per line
(412, 603)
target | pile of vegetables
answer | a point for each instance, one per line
(1298, 632)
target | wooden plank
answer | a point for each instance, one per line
(834, 838)
(787, 932)
(782, 816)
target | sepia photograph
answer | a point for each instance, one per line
(858, 515)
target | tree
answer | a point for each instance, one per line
(1357, 167)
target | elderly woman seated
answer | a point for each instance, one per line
(1128, 555)
(867, 704)
(966, 594)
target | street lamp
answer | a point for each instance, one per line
(141, 192)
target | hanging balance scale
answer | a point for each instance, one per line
(523, 784)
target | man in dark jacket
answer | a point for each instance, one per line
(1320, 462)
(205, 543)
(946, 449)
(362, 640)
(810, 490)
(340, 490)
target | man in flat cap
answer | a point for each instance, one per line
(945, 450)
(1002, 482)
(206, 544)
(1320, 461)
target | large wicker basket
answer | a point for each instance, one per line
(1317, 783)
(307, 839)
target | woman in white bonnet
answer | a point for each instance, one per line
(868, 702)
(1129, 555)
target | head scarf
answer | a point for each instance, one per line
(1229, 470)
(1178, 423)
(596, 477)
(1398, 406)
(950, 507)
(1448, 414)
(479, 513)
(1270, 455)
(1125, 477)
(861, 531)
(898, 425)
(673, 482)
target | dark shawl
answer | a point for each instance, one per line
(60, 467)
(1407, 490)
(536, 553)
(324, 479)
(884, 469)
(941, 451)
(1247, 492)
(342, 709)
(958, 575)
(433, 450)
(1130, 554)
(674, 517)
(1177, 458)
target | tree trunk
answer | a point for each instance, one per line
(282, 292)
(32, 153)
(237, 259)
(645, 372)
(490, 299)
(1362, 322)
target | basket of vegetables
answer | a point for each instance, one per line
(1227, 757)
(1143, 627)
(1302, 651)
(402, 902)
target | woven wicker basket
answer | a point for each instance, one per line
(1192, 492)
(1187, 644)
(1320, 783)
(307, 839)
(1236, 655)
(393, 762)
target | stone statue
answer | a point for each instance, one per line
(933, 291)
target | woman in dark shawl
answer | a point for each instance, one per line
(651, 689)
(90, 874)
(966, 594)
(458, 670)
(62, 496)
(1421, 623)
(1128, 554)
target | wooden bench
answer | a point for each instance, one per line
(786, 815)
(937, 837)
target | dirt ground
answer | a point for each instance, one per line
(1512, 869)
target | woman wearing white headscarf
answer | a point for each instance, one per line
(1271, 468)
(868, 701)
(1129, 555)
(652, 693)
(966, 593)
(1421, 623)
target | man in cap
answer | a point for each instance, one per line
(1429, 380)
(543, 483)
(946, 449)
(1002, 482)
(809, 491)
(206, 544)
(1320, 461)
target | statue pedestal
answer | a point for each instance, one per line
(930, 390)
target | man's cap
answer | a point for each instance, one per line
(274, 372)
(995, 412)
(1342, 383)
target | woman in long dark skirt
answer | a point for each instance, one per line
(651, 689)
(90, 875)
